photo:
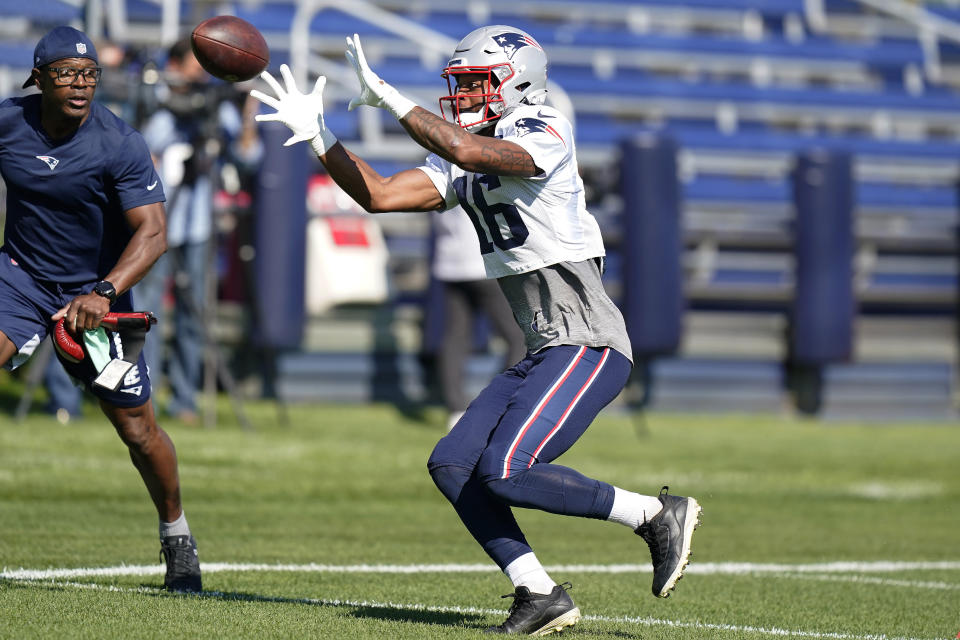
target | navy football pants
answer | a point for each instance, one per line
(498, 455)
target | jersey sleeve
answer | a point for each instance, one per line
(438, 170)
(543, 133)
(134, 175)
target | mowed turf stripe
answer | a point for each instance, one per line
(705, 568)
(395, 606)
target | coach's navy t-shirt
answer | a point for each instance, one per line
(66, 198)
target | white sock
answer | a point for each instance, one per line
(633, 509)
(178, 527)
(526, 571)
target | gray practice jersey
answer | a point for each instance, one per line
(525, 223)
(536, 235)
(565, 303)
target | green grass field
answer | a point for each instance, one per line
(330, 527)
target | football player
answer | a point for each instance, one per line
(510, 162)
(85, 221)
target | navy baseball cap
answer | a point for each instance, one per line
(60, 43)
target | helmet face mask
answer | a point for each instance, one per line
(512, 66)
(475, 110)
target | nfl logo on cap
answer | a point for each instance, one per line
(81, 48)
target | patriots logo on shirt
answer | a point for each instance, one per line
(512, 42)
(533, 125)
(50, 160)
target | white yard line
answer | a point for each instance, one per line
(705, 568)
(884, 582)
(642, 621)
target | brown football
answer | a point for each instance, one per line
(230, 48)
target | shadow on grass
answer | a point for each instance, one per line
(392, 612)
(449, 616)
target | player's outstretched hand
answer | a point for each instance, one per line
(302, 113)
(373, 90)
(371, 86)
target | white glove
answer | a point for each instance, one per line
(302, 113)
(374, 91)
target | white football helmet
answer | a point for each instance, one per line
(515, 69)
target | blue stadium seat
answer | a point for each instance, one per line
(784, 94)
(43, 13)
(638, 85)
(278, 17)
(17, 54)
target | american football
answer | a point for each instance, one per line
(230, 48)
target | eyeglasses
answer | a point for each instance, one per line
(68, 75)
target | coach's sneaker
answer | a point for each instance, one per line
(536, 614)
(668, 535)
(183, 563)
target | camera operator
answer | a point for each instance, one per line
(196, 128)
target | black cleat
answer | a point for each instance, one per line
(668, 535)
(536, 614)
(183, 563)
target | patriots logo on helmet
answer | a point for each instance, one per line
(533, 125)
(512, 42)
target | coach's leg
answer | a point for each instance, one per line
(153, 455)
(7, 349)
(155, 458)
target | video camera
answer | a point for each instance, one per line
(195, 99)
(195, 107)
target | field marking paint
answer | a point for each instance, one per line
(706, 568)
(885, 582)
(395, 606)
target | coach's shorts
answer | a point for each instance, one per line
(25, 309)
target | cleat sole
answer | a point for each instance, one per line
(559, 623)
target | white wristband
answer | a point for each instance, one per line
(322, 142)
(397, 104)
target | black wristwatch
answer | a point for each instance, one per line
(106, 290)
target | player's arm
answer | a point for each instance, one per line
(479, 154)
(146, 245)
(408, 190)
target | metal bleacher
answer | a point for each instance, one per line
(743, 86)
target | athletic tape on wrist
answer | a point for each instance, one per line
(322, 142)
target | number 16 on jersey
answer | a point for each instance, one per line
(490, 229)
